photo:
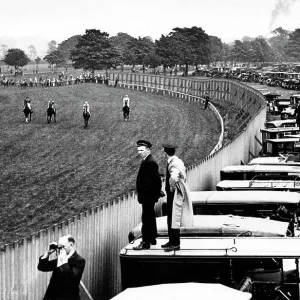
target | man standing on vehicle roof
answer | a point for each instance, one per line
(179, 205)
(148, 185)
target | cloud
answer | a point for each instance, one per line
(282, 7)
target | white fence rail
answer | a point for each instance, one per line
(101, 232)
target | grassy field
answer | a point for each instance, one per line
(50, 172)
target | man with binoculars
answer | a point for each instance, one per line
(67, 269)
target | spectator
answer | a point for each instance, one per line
(116, 81)
(67, 269)
(206, 100)
(179, 205)
(148, 185)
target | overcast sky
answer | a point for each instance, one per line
(36, 22)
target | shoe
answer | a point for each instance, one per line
(153, 242)
(168, 244)
(142, 246)
(172, 248)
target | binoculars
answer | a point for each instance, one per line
(55, 247)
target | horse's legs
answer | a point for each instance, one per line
(86, 121)
(54, 116)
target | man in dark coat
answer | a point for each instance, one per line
(67, 270)
(206, 100)
(148, 185)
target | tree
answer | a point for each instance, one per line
(240, 51)
(67, 46)
(52, 46)
(32, 52)
(293, 45)
(226, 52)
(262, 51)
(166, 52)
(216, 49)
(252, 50)
(94, 51)
(37, 61)
(16, 58)
(278, 42)
(192, 44)
(141, 50)
(3, 51)
(121, 42)
(55, 58)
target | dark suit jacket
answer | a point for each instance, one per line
(148, 182)
(65, 280)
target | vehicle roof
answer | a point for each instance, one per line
(280, 129)
(261, 168)
(222, 225)
(292, 136)
(272, 94)
(275, 160)
(282, 140)
(245, 247)
(244, 197)
(275, 122)
(260, 184)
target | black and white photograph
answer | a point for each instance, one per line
(150, 150)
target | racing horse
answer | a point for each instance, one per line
(51, 111)
(86, 116)
(126, 111)
(27, 112)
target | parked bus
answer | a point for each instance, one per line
(274, 147)
(211, 210)
(278, 132)
(227, 260)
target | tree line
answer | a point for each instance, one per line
(96, 50)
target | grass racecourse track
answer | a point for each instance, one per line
(51, 172)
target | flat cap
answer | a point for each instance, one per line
(169, 146)
(143, 143)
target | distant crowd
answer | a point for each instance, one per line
(60, 80)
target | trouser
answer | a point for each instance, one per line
(174, 234)
(149, 229)
(206, 104)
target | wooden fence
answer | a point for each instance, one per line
(101, 232)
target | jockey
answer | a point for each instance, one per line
(87, 107)
(126, 100)
(27, 102)
(126, 108)
(51, 104)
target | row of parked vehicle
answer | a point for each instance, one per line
(246, 233)
(285, 107)
(286, 80)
